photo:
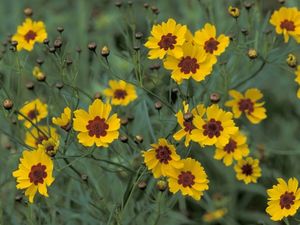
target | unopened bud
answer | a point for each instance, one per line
(215, 97)
(92, 46)
(142, 185)
(138, 139)
(158, 105)
(124, 139)
(28, 12)
(188, 117)
(291, 60)
(252, 53)
(234, 11)
(105, 51)
(8, 104)
(161, 185)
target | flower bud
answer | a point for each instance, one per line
(60, 29)
(158, 105)
(97, 95)
(59, 85)
(8, 104)
(14, 43)
(58, 43)
(124, 121)
(39, 61)
(161, 185)
(84, 177)
(281, 1)
(291, 60)
(215, 97)
(146, 5)
(142, 185)
(123, 138)
(30, 85)
(252, 53)
(118, 4)
(188, 117)
(92, 46)
(234, 11)
(105, 51)
(138, 35)
(46, 41)
(28, 12)
(52, 50)
(138, 139)
(248, 5)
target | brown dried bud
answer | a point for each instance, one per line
(281, 1)
(30, 85)
(248, 5)
(161, 185)
(138, 35)
(58, 43)
(59, 85)
(215, 97)
(52, 50)
(8, 104)
(118, 4)
(97, 95)
(244, 31)
(28, 12)
(155, 10)
(84, 177)
(8, 146)
(130, 3)
(124, 139)
(188, 117)
(138, 139)
(155, 66)
(146, 5)
(142, 185)
(60, 29)
(158, 105)
(136, 47)
(130, 117)
(14, 43)
(18, 198)
(92, 46)
(78, 50)
(46, 41)
(39, 61)
(105, 51)
(12, 48)
(124, 121)
(68, 61)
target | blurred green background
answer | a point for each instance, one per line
(98, 200)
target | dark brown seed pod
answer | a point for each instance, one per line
(92, 46)
(58, 43)
(123, 138)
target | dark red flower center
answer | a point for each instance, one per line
(40, 139)
(288, 25)
(32, 114)
(163, 154)
(212, 128)
(211, 45)
(247, 169)
(231, 146)
(246, 105)
(287, 200)
(120, 94)
(97, 127)
(186, 179)
(188, 65)
(188, 126)
(30, 35)
(37, 174)
(167, 41)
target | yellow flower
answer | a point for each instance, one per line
(284, 199)
(38, 74)
(208, 40)
(194, 63)
(34, 173)
(64, 121)
(291, 60)
(254, 111)
(234, 11)
(95, 126)
(35, 137)
(162, 158)
(214, 215)
(166, 38)
(236, 149)
(248, 170)
(216, 128)
(287, 22)
(187, 124)
(120, 92)
(29, 33)
(191, 179)
(35, 111)
(49, 146)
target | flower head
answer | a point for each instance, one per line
(96, 126)
(247, 104)
(248, 170)
(34, 111)
(215, 128)
(34, 173)
(284, 199)
(193, 63)
(208, 40)
(64, 121)
(50, 146)
(37, 135)
(167, 38)
(187, 124)
(191, 179)
(120, 92)
(29, 33)
(38, 74)
(287, 22)
(235, 149)
(234, 11)
(162, 158)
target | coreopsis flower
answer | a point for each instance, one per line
(287, 22)
(186, 124)
(235, 149)
(193, 63)
(162, 158)
(29, 33)
(248, 170)
(64, 121)
(284, 199)
(50, 146)
(191, 179)
(34, 111)
(36, 136)
(96, 126)
(248, 104)
(291, 60)
(207, 39)
(297, 79)
(215, 128)
(34, 173)
(120, 92)
(214, 215)
(234, 11)
(167, 38)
